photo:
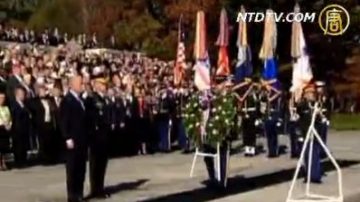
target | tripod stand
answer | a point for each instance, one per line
(312, 134)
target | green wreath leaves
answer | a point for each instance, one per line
(219, 124)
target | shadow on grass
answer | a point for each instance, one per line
(240, 184)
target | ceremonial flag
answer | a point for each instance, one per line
(180, 63)
(222, 42)
(302, 73)
(243, 67)
(202, 63)
(268, 47)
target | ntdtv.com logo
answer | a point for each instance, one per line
(333, 19)
(278, 17)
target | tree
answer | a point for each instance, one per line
(62, 14)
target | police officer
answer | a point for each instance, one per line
(99, 115)
(305, 110)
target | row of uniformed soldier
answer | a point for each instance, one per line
(258, 105)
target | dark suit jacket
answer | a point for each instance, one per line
(56, 109)
(21, 123)
(73, 121)
(38, 113)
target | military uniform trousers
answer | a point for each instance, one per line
(164, 136)
(249, 131)
(271, 136)
(210, 163)
(294, 141)
(98, 161)
(323, 132)
(316, 168)
(181, 133)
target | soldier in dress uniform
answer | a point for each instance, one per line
(118, 123)
(325, 112)
(99, 114)
(181, 95)
(250, 114)
(305, 110)
(224, 150)
(271, 112)
(293, 126)
(164, 121)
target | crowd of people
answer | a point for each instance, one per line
(49, 37)
(139, 89)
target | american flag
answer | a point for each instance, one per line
(180, 63)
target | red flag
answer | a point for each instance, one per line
(222, 42)
(223, 62)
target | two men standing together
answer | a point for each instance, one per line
(84, 125)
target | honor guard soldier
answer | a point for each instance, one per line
(250, 113)
(324, 113)
(241, 91)
(180, 95)
(164, 121)
(271, 111)
(293, 126)
(224, 150)
(305, 110)
(99, 116)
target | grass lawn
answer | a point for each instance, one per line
(345, 121)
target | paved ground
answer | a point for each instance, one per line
(165, 177)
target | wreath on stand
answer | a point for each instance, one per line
(192, 119)
(219, 124)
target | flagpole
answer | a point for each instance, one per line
(179, 27)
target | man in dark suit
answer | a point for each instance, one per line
(20, 127)
(43, 117)
(74, 130)
(14, 81)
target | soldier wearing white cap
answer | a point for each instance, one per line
(99, 114)
(325, 112)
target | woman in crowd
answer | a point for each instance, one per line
(5, 126)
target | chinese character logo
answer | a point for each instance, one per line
(334, 20)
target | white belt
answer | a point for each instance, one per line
(251, 109)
